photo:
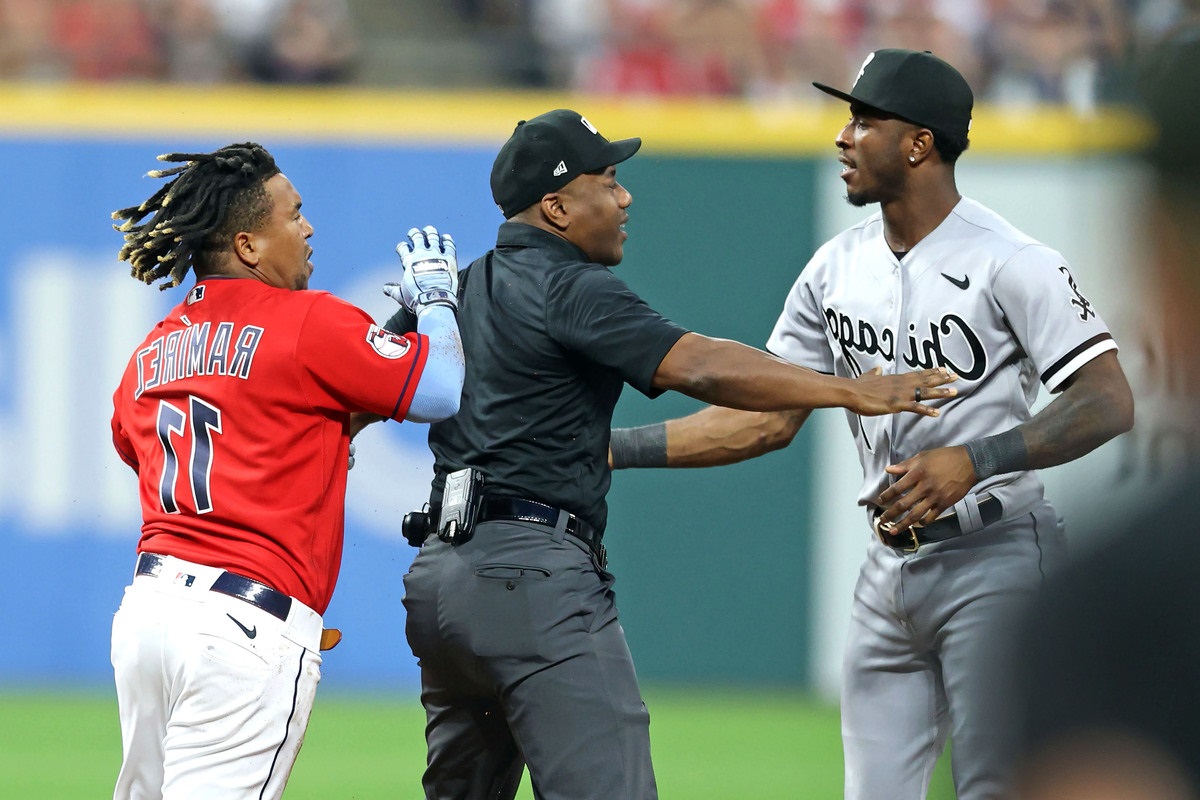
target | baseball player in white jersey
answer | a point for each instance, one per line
(959, 527)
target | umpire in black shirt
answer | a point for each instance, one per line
(510, 608)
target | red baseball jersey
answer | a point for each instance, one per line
(235, 412)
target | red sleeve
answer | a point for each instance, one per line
(349, 363)
(120, 439)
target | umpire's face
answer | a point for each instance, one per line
(594, 208)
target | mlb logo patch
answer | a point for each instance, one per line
(386, 343)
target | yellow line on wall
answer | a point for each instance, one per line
(717, 127)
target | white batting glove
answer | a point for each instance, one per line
(430, 271)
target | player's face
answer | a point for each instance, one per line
(283, 240)
(595, 204)
(872, 155)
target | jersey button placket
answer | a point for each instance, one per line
(896, 309)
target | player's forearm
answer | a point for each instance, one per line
(734, 375)
(1094, 408)
(440, 389)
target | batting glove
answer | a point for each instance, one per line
(430, 271)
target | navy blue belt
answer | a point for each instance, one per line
(519, 509)
(259, 595)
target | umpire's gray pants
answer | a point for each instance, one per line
(523, 661)
(925, 658)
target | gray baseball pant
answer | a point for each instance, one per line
(523, 662)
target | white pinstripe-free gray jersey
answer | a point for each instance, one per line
(976, 295)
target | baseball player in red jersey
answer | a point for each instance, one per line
(235, 413)
(960, 531)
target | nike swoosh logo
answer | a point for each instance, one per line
(961, 283)
(250, 632)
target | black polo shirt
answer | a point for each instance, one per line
(550, 340)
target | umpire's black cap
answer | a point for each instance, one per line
(913, 85)
(546, 153)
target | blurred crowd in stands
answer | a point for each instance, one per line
(194, 41)
(1063, 51)
(1012, 51)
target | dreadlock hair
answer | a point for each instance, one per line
(211, 197)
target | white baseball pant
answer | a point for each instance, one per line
(213, 693)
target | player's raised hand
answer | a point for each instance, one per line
(887, 394)
(430, 271)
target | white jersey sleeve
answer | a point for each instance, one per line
(1054, 322)
(799, 335)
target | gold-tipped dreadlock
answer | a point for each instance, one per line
(210, 197)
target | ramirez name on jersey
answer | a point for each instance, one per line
(194, 352)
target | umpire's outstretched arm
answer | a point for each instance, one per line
(727, 373)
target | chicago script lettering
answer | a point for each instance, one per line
(919, 351)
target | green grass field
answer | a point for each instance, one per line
(708, 745)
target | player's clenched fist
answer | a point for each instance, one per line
(430, 271)
(886, 394)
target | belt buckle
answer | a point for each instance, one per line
(883, 530)
(912, 532)
(602, 557)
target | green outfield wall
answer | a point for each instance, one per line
(713, 565)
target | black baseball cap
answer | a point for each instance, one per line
(914, 85)
(546, 153)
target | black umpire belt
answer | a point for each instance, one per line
(941, 529)
(259, 595)
(519, 509)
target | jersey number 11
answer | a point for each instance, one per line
(205, 421)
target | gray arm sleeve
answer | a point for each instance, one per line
(999, 454)
(438, 394)
(645, 446)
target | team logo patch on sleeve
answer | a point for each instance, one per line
(1080, 302)
(386, 343)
